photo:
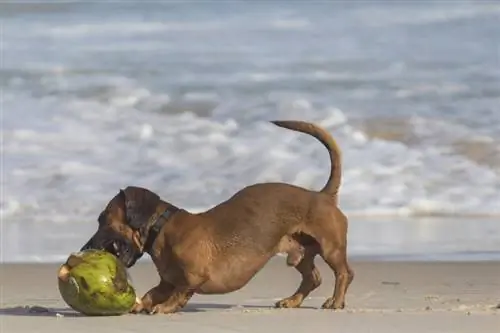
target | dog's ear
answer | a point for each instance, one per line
(140, 205)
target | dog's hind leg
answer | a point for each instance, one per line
(333, 250)
(311, 279)
(344, 275)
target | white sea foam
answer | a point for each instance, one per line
(125, 28)
(408, 16)
(113, 149)
(290, 23)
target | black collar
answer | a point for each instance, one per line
(156, 225)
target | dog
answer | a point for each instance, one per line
(221, 249)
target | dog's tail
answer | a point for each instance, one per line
(333, 183)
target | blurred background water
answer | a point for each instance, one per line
(175, 96)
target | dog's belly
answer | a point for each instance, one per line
(233, 274)
(217, 287)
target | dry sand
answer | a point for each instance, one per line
(385, 297)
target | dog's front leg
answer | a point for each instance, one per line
(156, 295)
(177, 300)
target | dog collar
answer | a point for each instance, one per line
(158, 221)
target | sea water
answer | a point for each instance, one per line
(176, 97)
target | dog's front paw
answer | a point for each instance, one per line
(137, 308)
(140, 307)
(332, 304)
(164, 309)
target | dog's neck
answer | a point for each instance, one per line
(157, 222)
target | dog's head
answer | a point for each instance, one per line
(124, 224)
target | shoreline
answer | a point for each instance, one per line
(429, 257)
(372, 239)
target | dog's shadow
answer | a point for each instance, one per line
(203, 307)
(39, 311)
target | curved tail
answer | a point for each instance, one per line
(332, 185)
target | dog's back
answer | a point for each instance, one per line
(290, 204)
(264, 213)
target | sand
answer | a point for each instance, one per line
(385, 297)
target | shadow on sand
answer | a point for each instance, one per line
(40, 311)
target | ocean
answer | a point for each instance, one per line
(176, 96)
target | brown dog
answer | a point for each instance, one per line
(220, 250)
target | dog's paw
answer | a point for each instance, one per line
(139, 307)
(289, 302)
(164, 309)
(332, 304)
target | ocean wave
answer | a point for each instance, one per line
(291, 23)
(423, 168)
(127, 28)
(378, 17)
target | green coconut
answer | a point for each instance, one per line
(96, 283)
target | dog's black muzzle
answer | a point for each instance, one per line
(123, 249)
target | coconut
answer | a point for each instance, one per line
(96, 283)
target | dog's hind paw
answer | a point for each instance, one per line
(289, 302)
(332, 304)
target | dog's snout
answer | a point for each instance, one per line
(93, 243)
(123, 249)
(87, 246)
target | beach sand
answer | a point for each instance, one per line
(384, 297)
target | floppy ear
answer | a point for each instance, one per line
(140, 205)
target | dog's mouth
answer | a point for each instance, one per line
(116, 247)
(122, 249)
